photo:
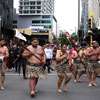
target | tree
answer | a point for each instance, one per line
(63, 39)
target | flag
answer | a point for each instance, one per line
(20, 36)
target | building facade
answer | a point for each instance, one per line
(37, 15)
(36, 7)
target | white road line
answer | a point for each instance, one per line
(11, 74)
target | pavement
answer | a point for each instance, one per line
(17, 89)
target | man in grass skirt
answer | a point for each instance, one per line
(63, 69)
(35, 56)
(93, 65)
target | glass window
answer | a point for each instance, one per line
(46, 21)
(26, 7)
(32, 2)
(38, 7)
(20, 12)
(38, 2)
(32, 11)
(46, 16)
(14, 21)
(36, 21)
(26, 3)
(21, 3)
(21, 7)
(32, 7)
(26, 11)
(38, 11)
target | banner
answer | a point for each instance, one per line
(20, 36)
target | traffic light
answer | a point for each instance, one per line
(90, 23)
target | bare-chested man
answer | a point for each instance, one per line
(3, 55)
(36, 57)
(92, 54)
(78, 65)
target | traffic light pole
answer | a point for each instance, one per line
(91, 39)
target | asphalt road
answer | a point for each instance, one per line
(17, 89)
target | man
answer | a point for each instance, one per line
(63, 71)
(49, 56)
(93, 57)
(3, 56)
(35, 56)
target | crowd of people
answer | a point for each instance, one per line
(36, 61)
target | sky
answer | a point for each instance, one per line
(66, 13)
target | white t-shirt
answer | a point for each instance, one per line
(49, 53)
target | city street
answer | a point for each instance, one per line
(17, 89)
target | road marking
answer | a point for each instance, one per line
(11, 74)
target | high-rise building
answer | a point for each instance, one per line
(36, 13)
(36, 7)
(36, 17)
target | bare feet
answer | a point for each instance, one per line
(59, 91)
(32, 93)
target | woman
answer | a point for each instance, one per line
(62, 68)
(3, 55)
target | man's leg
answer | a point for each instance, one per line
(32, 84)
(59, 83)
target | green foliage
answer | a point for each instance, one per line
(63, 39)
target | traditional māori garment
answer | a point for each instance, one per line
(79, 66)
(93, 66)
(2, 67)
(37, 71)
(63, 67)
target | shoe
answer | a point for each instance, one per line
(89, 85)
(32, 94)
